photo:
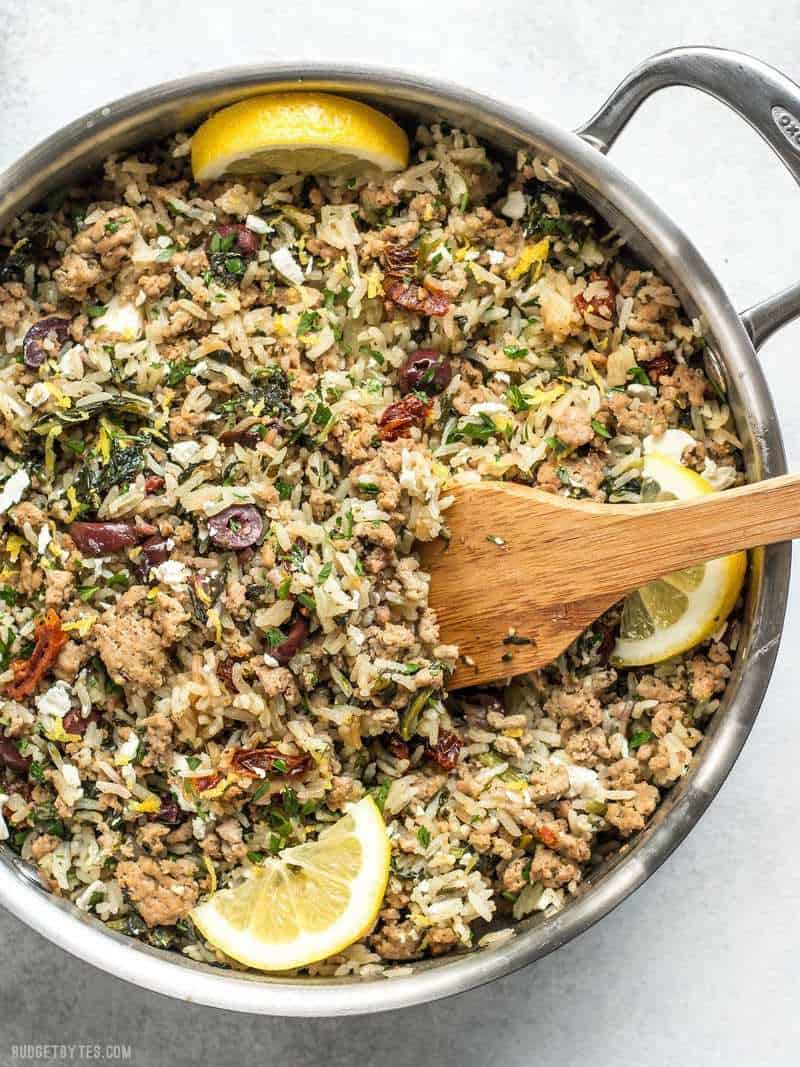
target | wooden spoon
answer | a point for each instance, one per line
(536, 567)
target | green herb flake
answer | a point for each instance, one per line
(275, 637)
(600, 429)
(179, 369)
(309, 322)
(263, 788)
(193, 762)
(513, 352)
(637, 374)
(379, 793)
(8, 595)
(515, 399)
(94, 311)
(639, 738)
(424, 836)
(324, 573)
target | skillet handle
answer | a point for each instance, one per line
(765, 98)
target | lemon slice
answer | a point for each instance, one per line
(676, 612)
(297, 132)
(307, 904)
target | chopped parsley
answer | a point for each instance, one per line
(309, 322)
(515, 399)
(637, 374)
(600, 429)
(639, 738)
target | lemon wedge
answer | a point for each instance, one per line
(310, 902)
(676, 612)
(297, 132)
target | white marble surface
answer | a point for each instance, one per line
(700, 967)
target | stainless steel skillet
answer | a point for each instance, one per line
(768, 101)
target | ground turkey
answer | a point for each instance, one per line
(397, 941)
(134, 636)
(162, 891)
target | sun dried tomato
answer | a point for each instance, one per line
(153, 483)
(418, 299)
(659, 366)
(208, 781)
(50, 639)
(547, 836)
(397, 746)
(398, 418)
(601, 304)
(446, 750)
(400, 261)
(258, 762)
(225, 670)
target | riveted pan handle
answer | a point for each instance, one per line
(765, 98)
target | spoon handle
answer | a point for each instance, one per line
(640, 542)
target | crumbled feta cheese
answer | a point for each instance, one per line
(672, 443)
(184, 452)
(71, 363)
(514, 207)
(172, 573)
(69, 772)
(121, 320)
(37, 395)
(44, 539)
(13, 490)
(257, 225)
(55, 701)
(127, 750)
(495, 257)
(198, 828)
(284, 262)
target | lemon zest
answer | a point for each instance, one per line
(56, 732)
(49, 450)
(531, 254)
(212, 874)
(74, 504)
(538, 397)
(213, 618)
(148, 806)
(60, 398)
(374, 280)
(14, 545)
(81, 626)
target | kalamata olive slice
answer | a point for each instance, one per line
(11, 757)
(75, 723)
(298, 632)
(155, 550)
(246, 242)
(236, 527)
(425, 370)
(248, 438)
(169, 813)
(33, 351)
(103, 538)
